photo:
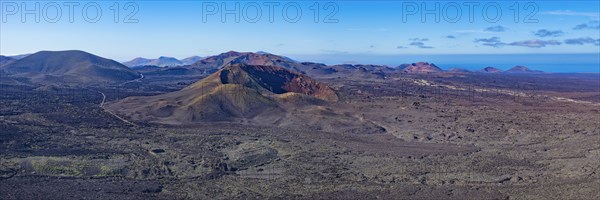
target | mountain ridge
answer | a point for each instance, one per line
(71, 66)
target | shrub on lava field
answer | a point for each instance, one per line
(48, 167)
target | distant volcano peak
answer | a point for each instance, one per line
(490, 70)
(420, 67)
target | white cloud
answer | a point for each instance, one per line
(573, 13)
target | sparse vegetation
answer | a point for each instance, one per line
(434, 141)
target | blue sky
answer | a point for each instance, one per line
(360, 31)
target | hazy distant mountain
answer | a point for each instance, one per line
(17, 57)
(421, 67)
(490, 70)
(162, 61)
(77, 67)
(203, 66)
(521, 69)
(138, 62)
(191, 60)
(262, 52)
(6, 60)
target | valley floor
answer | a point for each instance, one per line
(445, 138)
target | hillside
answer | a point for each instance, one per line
(76, 67)
(6, 60)
(458, 70)
(256, 94)
(236, 91)
(218, 61)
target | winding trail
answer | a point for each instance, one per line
(103, 100)
(113, 114)
(134, 80)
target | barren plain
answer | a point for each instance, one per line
(440, 136)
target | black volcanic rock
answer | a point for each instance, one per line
(76, 67)
(357, 71)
